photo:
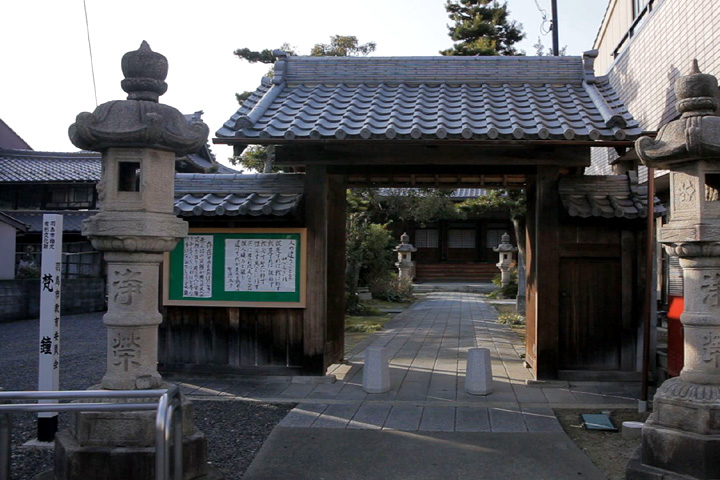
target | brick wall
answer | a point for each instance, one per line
(21, 298)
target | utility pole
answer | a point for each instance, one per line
(556, 41)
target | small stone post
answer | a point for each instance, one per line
(505, 249)
(478, 372)
(681, 439)
(405, 265)
(376, 371)
(139, 139)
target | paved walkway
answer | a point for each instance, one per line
(428, 346)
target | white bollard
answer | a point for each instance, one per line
(632, 429)
(376, 373)
(478, 374)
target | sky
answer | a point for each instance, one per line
(47, 77)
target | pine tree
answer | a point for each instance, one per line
(482, 27)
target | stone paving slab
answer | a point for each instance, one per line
(370, 416)
(324, 453)
(541, 420)
(404, 418)
(437, 419)
(336, 416)
(428, 346)
(303, 415)
(469, 419)
(507, 420)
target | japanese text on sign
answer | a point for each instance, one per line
(260, 265)
(197, 266)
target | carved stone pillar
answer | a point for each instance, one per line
(681, 439)
(139, 139)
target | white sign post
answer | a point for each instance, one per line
(49, 338)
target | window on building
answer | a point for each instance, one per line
(62, 197)
(461, 238)
(426, 238)
(638, 6)
(7, 198)
(30, 199)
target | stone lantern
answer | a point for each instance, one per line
(139, 139)
(406, 268)
(681, 439)
(505, 250)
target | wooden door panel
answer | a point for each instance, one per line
(590, 327)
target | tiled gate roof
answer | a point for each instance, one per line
(210, 195)
(608, 196)
(431, 98)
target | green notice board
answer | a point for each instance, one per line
(256, 267)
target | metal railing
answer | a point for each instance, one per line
(168, 420)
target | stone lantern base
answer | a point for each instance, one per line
(681, 439)
(121, 446)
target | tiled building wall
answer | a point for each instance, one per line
(662, 49)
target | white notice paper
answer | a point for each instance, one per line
(260, 265)
(197, 266)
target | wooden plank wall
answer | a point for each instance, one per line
(231, 340)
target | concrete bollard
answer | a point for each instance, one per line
(376, 373)
(631, 430)
(478, 375)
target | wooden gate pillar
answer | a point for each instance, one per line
(543, 290)
(316, 221)
(324, 321)
(335, 331)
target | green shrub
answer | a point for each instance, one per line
(369, 255)
(353, 306)
(508, 291)
(391, 288)
(511, 319)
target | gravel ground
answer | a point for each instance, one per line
(235, 430)
(609, 451)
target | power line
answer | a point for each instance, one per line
(544, 30)
(92, 64)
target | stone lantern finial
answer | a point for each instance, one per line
(145, 72)
(140, 121)
(696, 93)
(695, 134)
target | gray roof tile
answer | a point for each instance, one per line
(320, 98)
(608, 196)
(254, 204)
(31, 166)
(266, 194)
